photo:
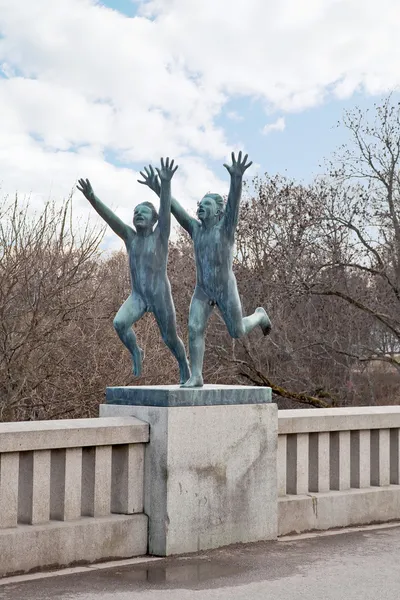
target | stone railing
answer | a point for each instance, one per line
(71, 491)
(338, 467)
(81, 491)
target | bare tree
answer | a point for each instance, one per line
(361, 202)
(48, 277)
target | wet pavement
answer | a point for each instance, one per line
(362, 565)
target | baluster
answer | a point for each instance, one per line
(319, 462)
(9, 465)
(340, 460)
(282, 464)
(96, 481)
(297, 463)
(127, 479)
(380, 457)
(66, 484)
(34, 487)
(361, 458)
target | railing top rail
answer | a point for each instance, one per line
(71, 433)
(338, 419)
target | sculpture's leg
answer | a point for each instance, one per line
(258, 318)
(131, 311)
(166, 320)
(199, 313)
(231, 309)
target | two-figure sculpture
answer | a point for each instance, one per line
(213, 236)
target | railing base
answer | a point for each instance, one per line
(334, 509)
(60, 544)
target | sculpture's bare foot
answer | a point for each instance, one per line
(138, 357)
(194, 381)
(184, 374)
(265, 322)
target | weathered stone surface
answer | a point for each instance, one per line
(9, 466)
(338, 419)
(210, 472)
(173, 395)
(60, 544)
(338, 509)
(70, 433)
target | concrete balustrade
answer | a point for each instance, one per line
(77, 490)
(332, 463)
(62, 479)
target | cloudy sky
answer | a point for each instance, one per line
(98, 89)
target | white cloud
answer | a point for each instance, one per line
(289, 52)
(82, 82)
(234, 116)
(278, 125)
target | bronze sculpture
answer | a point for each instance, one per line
(213, 239)
(147, 248)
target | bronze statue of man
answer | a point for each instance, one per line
(147, 248)
(213, 239)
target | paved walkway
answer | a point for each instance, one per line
(363, 565)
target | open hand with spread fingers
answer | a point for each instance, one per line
(86, 188)
(238, 167)
(167, 170)
(150, 179)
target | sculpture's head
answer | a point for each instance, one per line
(211, 207)
(145, 216)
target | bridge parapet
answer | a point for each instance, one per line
(338, 467)
(71, 491)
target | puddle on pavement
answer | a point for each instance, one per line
(182, 573)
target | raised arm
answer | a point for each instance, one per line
(180, 214)
(164, 215)
(236, 171)
(119, 227)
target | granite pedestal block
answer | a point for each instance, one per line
(210, 465)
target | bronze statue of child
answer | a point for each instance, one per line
(147, 248)
(213, 238)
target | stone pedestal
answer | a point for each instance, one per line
(210, 466)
